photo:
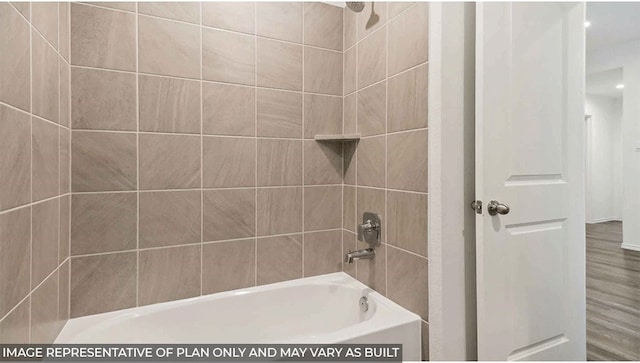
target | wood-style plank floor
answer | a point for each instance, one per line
(613, 295)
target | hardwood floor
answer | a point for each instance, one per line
(613, 295)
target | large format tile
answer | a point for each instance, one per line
(408, 100)
(15, 259)
(350, 70)
(228, 265)
(409, 38)
(279, 20)
(371, 162)
(322, 163)
(322, 207)
(64, 229)
(24, 8)
(169, 104)
(169, 274)
(348, 245)
(65, 161)
(15, 165)
(349, 208)
(169, 218)
(103, 283)
(350, 28)
(228, 57)
(44, 312)
(14, 328)
(372, 110)
(279, 162)
(168, 48)
(372, 59)
(103, 100)
(184, 11)
(103, 38)
(279, 210)
(272, 251)
(44, 17)
(102, 161)
(228, 214)
(237, 16)
(407, 224)
(65, 94)
(44, 79)
(279, 65)
(63, 293)
(279, 113)
(322, 71)
(370, 200)
(118, 5)
(228, 109)
(64, 24)
(395, 8)
(373, 273)
(169, 161)
(44, 234)
(323, 25)
(408, 281)
(228, 162)
(15, 65)
(322, 115)
(104, 222)
(322, 252)
(350, 162)
(350, 114)
(372, 17)
(45, 159)
(407, 161)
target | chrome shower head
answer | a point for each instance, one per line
(356, 6)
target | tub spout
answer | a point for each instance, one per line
(365, 254)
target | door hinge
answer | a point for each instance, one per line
(476, 205)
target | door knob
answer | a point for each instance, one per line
(494, 207)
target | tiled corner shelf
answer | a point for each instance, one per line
(337, 137)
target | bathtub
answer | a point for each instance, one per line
(315, 310)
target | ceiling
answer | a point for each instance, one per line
(604, 83)
(612, 23)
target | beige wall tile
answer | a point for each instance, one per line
(228, 110)
(408, 100)
(64, 229)
(373, 272)
(183, 11)
(279, 162)
(45, 159)
(238, 16)
(372, 17)
(65, 161)
(322, 163)
(372, 110)
(321, 207)
(323, 25)
(279, 65)
(228, 57)
(228, 265)
(169, 218)
(104, 222)
(103, 283)
(44, 243)
(348, 245)
(44, 17)
(350, 70)
(169, 274)
(372, 60)
(23, 7)
(407, 161)
(322, 252)
(322, 115)
(349, 115)
(397, 7)
(408, 281)
(65, 94)
(350, 162)
(169, 104)
(15, 165)
(168, 48)
(425, 341)
(272, 251)
(228, 214)
(103, 100)
(15, 63)
(103, 38)
(229, 162)
(349, 208)
(64, 24)
(371, 158)
(102, 161)
(44, 82)
(15, 260)
(370, 200)
(44, 312)
(169, 161)
(279, 113)
(279, 20)
(350, 28)
(14, 328)
(409, 38)
(322, 71)
(63, 293)
(120, 5)
(407, 224)
(279, 210)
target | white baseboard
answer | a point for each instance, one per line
(628, 246)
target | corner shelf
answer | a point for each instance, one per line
(337, 137)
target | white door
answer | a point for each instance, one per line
(529, 156)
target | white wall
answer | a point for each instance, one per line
(604, 169)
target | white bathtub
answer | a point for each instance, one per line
(316, 310)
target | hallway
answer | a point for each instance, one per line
(613, 295)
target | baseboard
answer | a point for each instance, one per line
(607, 219)
(631, 247)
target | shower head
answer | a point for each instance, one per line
(356, 6)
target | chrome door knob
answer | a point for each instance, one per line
(494, 207)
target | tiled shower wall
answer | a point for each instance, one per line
(34, 171)
(385, 88)
(194, 169)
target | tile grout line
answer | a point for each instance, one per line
(59, 151)
(137, 24)
(255, 133)
(201, 162)
(386, 153)
(304, 96)
(31, 165)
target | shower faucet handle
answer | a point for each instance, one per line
(370, 229)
